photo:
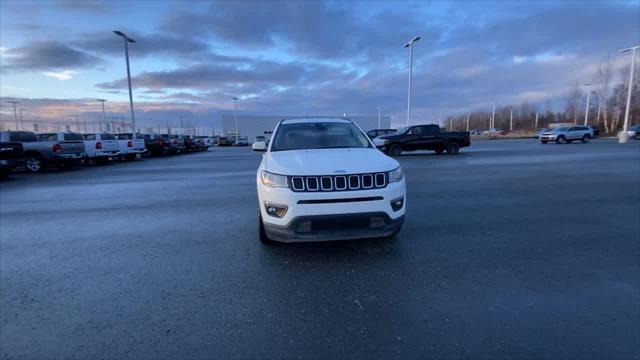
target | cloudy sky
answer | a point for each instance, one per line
(302, 57)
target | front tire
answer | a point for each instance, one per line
(130, 157)
(439, 150)
(543, 141)
(395, 150)
(585, 139)
(262, 234)
(561, 140)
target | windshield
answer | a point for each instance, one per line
(403, 130)
(325, 135)
(560, 129)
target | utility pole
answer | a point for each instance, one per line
(511, 119)
(104, 116)
(625, 127)
(15, 112)
(467, 121)
(410, 46)
(493, 119)
(536, 124)
(21, 122)
(379, 117)
(235, 115)
(586, 110)
(128, 40)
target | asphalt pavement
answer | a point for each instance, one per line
(511, 249)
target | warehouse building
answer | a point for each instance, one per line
(260, 125)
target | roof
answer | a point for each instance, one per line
(316, 120)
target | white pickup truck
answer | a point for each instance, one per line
(101, 147)
(130, 146)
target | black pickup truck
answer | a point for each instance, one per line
(422, 137)
(11, 156)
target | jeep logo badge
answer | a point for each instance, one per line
(340, 171)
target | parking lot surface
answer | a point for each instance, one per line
(509, 249)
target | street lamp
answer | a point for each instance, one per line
(15, 112)
(625, 127)
(410, 46)
(103, 114)
(235, 115)
(586, 111)
(379, 117)
(128, 40)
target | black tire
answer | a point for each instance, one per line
(130, 157)
(560, 140)
(34, 163)
(585, 138)
(543, 141)
(439, 150)
(569, 141)
(637, 136)
(395, 150)
(453, 148)
(262, 234)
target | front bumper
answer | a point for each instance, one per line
(548, 137)
(135, 151)
(335, 227)
(106, 153)
(314, 207)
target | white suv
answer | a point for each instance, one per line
(323, 179)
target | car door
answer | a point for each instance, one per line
(430, 138)
(413, 138)
(573, 133)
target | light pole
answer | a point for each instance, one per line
(104, 119)
(467, 121)
(625, 127)
(586, 110)
(493, 119)
(511, 118)
(379, 117)
(21, 122)
(410, 46)
(235, 115)
(128, 40)
(15, 112)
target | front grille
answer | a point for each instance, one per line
(329, 183)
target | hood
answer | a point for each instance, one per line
(328, 161)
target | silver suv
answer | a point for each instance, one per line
(564, 135)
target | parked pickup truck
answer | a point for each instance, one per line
(422, 137)
(176, 143)
(101, 147)
(41, 153)
(130, 146)
(156, 144)
(11, 156)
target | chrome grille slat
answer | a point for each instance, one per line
(331, 183)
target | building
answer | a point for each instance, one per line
(261, 125)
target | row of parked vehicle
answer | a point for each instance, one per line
(65, 149)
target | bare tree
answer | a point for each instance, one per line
(603, 79)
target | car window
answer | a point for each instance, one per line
(22, 136)
(430, 130)
(124, 136)
(320, 135)
(47, 137)
(415, 130)
(107, 137)
(72, 137)
(90, 137)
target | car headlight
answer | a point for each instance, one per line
(379, 142)
(273, 180)
(395, 175)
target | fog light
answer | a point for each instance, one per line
(275, 210)
(396, 204)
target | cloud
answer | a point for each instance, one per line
(48, 56)
(60, 75)
(147, 44)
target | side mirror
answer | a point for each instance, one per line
(259, 146)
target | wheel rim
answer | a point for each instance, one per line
(33, 164)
